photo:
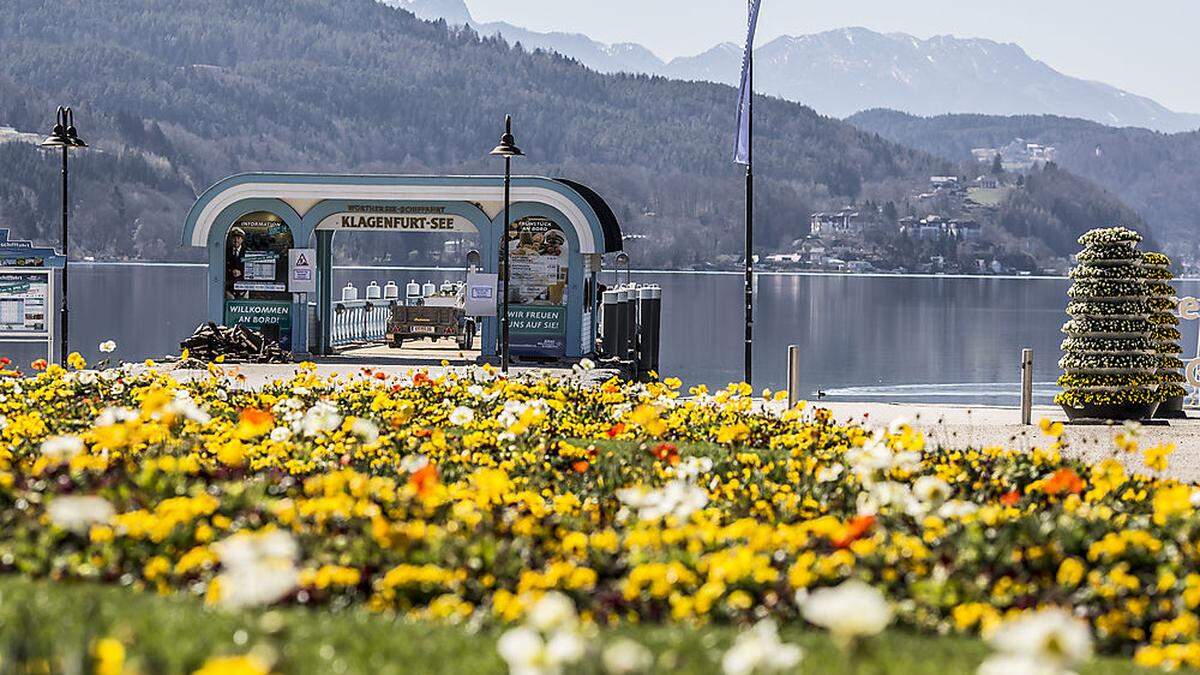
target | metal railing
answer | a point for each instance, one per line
(359, 321)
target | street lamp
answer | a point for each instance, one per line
(64, 136)
(507, 149)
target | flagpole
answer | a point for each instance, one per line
(749, 281)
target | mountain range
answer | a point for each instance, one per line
(845, 71)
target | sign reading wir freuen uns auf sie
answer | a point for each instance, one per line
(415, 218)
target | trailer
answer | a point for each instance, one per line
(436, 317)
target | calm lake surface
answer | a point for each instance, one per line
(935, 339)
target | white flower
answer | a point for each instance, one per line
(677, 498)
(280, 434)
(185, 406)
(108, 346)
(365, 429)
(256, 569)
(322, 416)
(527, 653)
(828, 474)
(3, 422)
(414, 463)
(462, 416)
(849, 611)
(78, 513)
(115, 415)
(62, 448)
(693, 467)
(759, 650)
(931, 489)
(554, 611)
(1052, 637)
(956, 509)
(625, 657)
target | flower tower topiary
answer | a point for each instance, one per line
(1110, 361)
(1166, 336)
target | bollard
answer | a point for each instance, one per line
(631, 325)
(793, 376)
(650, 327)
(655, 326)
(610, 326)
(645, 342)
(1026, 386)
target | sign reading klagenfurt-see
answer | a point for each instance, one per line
(416, 218)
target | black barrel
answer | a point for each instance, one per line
(610, 326)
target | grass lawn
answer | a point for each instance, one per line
(177, 634)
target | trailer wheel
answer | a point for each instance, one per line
(397, 343)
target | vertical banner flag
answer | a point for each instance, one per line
(741, 153)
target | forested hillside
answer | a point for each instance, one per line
(173, 96)
(1156, 174)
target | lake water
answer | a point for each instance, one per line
(934, 339)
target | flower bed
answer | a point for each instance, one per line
(467, 497)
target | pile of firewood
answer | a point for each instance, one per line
(235, 343)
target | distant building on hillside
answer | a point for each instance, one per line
(1020, 155)
(927, 228)
(966, 229)
(839, 223)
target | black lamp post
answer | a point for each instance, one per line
(507, 149)
(64, 136)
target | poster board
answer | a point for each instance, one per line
(537, 295)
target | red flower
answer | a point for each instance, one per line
(420, 379)
(4, 361)
(666, 452)
(615, 429)
(40, 364)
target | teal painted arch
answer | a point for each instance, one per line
(315, 188)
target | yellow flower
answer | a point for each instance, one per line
(234, 665)
(1070, 572)
(1156, 458)
(1171, 501)
(109, 655)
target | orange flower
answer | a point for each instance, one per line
(424, 479)
(1010, 498)
(854, 530)
(420, 379)
(40, 364)
(580, 466)
(666, 452)
(1063, 481)
(615, 429)
(253, 423)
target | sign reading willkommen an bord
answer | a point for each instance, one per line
(270, 318)
(398, 217)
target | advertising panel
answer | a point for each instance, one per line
(537, 296)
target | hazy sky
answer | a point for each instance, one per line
(1148, 47)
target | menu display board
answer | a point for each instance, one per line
(537, 294)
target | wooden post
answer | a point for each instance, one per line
(1026, 386)
(793, 375)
